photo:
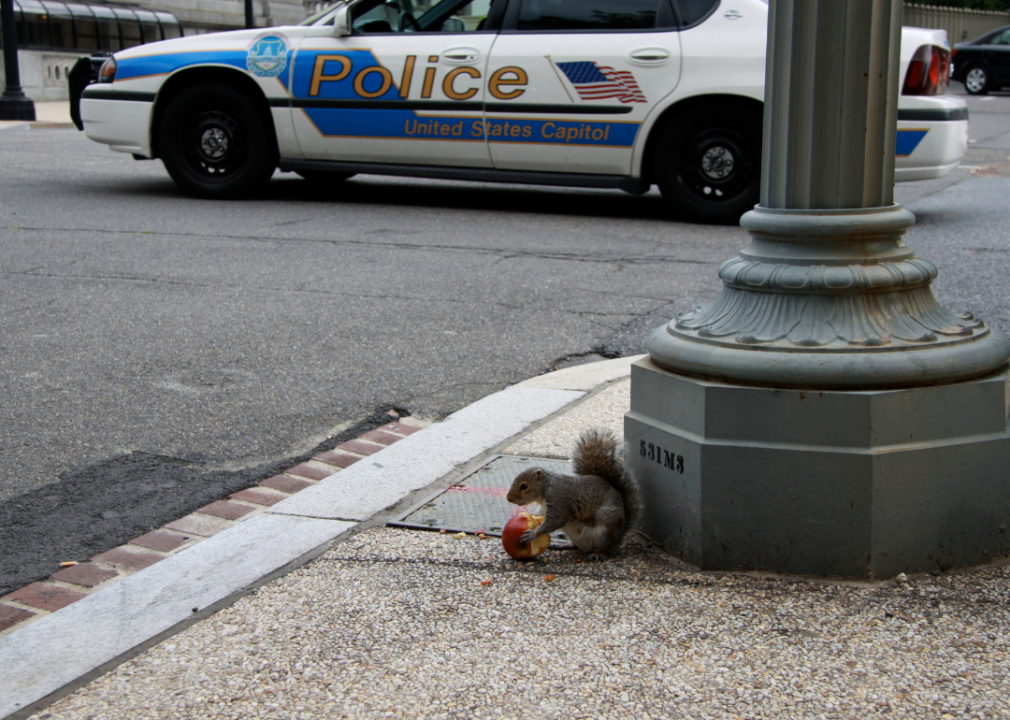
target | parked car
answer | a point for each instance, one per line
(983, 64)
(593, 93)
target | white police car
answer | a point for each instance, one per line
(592, 93)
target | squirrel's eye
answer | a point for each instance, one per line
(524, 486)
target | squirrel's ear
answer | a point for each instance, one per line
(539, 473)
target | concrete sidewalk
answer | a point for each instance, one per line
(316, 609)
(48, 115)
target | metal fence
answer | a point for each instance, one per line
(960, 24)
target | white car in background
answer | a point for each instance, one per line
(592, 93)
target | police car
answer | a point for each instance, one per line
(593, 93)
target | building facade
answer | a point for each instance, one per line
(52, 35)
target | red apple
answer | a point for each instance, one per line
(514, 530)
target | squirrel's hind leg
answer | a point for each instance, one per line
(590, 539)
(597, 540)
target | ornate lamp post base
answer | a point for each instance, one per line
(828, 299)
(825, 415)
(851, 483)
(14, 107)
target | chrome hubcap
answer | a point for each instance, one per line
(975, 79)
(717, 162)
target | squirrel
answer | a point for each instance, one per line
(595, 507)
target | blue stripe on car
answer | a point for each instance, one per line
(908, 141)
(305, 65)
(406, 124)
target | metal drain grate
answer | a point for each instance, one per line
(478, 503)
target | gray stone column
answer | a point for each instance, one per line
(826, 414)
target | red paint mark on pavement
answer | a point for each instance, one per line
(496, 492)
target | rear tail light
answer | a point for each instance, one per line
(929, 72)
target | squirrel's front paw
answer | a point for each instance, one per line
(528, 537)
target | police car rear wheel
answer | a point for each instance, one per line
(215, 143)
(708, 162)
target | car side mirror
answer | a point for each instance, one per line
(342, 22)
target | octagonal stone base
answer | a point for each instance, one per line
(862, 484)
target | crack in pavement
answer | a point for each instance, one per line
(504, 254)
(288, 290)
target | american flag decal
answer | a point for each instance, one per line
(595, 82)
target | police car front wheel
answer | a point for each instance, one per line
(708, 162)
(215, 142)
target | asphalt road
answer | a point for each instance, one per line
(988, 127)
(158, 352)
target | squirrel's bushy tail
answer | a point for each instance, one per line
(597, 452)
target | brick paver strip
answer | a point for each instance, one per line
(306, 470)
(400, 428)
(383, 438)
(161, 540)
(87, 575)
(207, 521)
(332, 457)
(357, 446)
(128, 558)
(45, 596)
(202, 525)
(226, 509)
(259, 495)
(11, 616)
(286, 483)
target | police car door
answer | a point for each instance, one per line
(406, 87)
(570, 82)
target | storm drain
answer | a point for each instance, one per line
(478, 502)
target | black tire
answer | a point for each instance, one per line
(216, 143)
(323, 177)
(977, 80)
(707, 161)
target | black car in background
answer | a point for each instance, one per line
(984, 63)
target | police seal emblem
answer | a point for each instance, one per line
(267, 55)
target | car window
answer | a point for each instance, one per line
(588, 14)
(1002, 38)
(318, 18)
(694, 11)
(392, 16)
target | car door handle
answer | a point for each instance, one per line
(461, 56)
(649, 56)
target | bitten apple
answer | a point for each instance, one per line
(514, 530)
